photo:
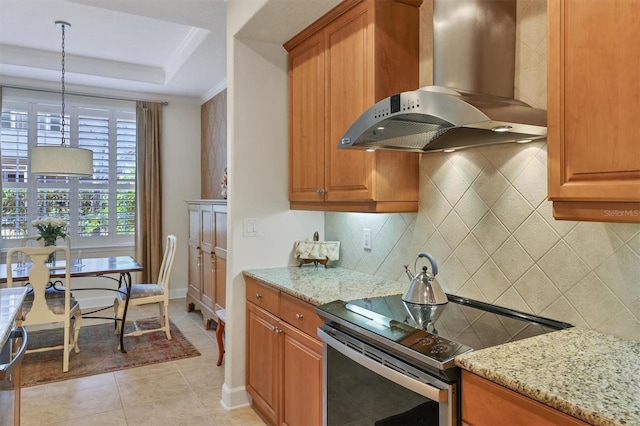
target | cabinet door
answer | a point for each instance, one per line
(301, 378)
(263, 361)
(220, 226)
(207, 240)
(594, 101)
(207, 228)
(221, 282)
(208, 279)
(306, 121)
(220, 264)
(194, 252)
(349, 80)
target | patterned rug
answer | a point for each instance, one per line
(99, 352)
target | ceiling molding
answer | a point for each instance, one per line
(183, 52)
(82, 65)
(214, 91)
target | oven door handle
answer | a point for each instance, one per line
(431, 392)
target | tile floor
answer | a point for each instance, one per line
(183, 392)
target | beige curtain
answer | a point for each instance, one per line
(149, 237)
(0, 151)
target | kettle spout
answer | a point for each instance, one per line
(409, 274)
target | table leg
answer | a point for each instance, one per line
(126, 278)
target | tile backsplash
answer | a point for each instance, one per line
(484, 216)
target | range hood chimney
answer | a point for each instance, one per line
(471, 102)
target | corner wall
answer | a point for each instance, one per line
(258, 180)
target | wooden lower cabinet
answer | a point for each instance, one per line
(284, 361)
(301, 378)
(487, 403)
(207, 258)
(263, 362)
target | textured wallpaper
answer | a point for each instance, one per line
(484, 216)
(214, 145)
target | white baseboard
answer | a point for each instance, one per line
(232, 399)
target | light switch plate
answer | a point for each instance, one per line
(250, 227)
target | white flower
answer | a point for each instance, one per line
(50, 228)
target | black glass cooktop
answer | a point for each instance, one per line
(434, 333)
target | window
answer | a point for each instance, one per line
(100, 209)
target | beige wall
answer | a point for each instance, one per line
(213, 160)
(484, 216)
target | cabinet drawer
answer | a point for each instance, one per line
(299, 314)
(262, 295)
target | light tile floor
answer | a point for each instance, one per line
(182, 392)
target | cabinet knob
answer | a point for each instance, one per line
(258, 296)
(321, 191)
(277, 330)
(299, 316)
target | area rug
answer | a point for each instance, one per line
(99, 352)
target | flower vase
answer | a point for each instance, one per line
(51, 260)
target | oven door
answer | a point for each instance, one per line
(366, 386)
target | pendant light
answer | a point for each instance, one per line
(61, 160)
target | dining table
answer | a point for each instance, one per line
(105, 267)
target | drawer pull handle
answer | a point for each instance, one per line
(299, 316)
(258, 296)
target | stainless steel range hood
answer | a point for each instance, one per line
(471, 103)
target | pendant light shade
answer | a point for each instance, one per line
(62, 160)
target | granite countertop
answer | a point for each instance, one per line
(589, 375)
(319, 285)
(10, 302)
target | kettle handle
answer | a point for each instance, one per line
(434, 265)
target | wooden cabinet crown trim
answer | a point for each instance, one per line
(320, 23)
(329, 17)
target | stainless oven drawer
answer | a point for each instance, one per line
(364, 384)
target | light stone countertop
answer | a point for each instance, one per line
(10, 302)
(322, 285)
(589, 375)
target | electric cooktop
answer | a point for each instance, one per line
(433, 334)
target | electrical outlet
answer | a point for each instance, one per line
(367, 238)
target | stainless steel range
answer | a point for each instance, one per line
(385, 364)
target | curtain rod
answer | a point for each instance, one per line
(112, 98)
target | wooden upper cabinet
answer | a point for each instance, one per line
(357, 54)
(593, 109)
(306, 120)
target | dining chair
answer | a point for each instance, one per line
(144, 294)
(43, 303)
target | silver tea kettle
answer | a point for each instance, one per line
(424, 289)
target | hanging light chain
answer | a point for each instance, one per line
(63, 25)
